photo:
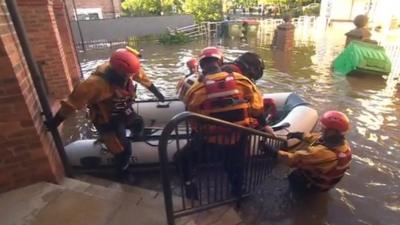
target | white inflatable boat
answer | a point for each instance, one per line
(87, 153)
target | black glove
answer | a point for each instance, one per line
(54, 122)
(297, 135)
(157, 93)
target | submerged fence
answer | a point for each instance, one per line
(217, 163)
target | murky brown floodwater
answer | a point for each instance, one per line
(370, 192)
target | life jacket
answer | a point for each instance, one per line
(185, 84)
(327, 180)
(225, 101)
(231, 67)
(118, 104)
(123, 99)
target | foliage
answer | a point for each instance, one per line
(173, 38)
(146, 7)
(313, 10)
(211, 10)
(204, 10)
(245, 3)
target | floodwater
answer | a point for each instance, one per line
(370, 191)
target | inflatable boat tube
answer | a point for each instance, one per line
(87, 153)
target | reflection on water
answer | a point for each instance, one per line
(370, 192)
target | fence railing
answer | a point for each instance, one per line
(217, 163)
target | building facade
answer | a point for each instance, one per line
(382, 13)
(93, 9)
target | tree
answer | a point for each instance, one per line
(141, 7)
(145, 7)
(245, 3)
(204, 10)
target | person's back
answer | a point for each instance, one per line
(322, 165)
(227, 96)
(189, 80)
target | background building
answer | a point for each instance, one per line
(93, 9)
(382, 13)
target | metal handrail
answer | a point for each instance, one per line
(163, 155)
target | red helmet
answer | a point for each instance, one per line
(192, 64)
(211, 52)
(125, 62)
(335, 120)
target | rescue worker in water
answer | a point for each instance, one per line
(323, 164)
(109, 93)
(228, 96)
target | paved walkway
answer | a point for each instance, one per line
(96, 202)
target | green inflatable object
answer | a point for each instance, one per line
(362, 57)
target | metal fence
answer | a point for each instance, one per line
(216, 163)
(105, 32)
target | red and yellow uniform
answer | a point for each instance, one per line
(101, 96)
(96, 91)
(250, 100)
(319, 165)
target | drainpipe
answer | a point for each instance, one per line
(37, 82)
(113, 6)
(72, 36)
(79, 26)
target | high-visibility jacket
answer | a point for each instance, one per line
(188, 81)
(227, 96)
(100, 96)
(185, 84)
(321, 166)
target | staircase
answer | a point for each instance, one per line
(95, 201)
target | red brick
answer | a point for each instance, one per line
(24, 144)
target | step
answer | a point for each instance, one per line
(79, 203)
(21, 206)
(135, 204)
(223, 215)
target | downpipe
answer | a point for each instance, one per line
(38, 84)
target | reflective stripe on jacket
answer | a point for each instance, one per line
(321, 166)
(225, 96)
(327, 180)
(101, 97)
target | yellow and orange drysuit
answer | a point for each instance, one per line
(239, 101)
(101, 97)
(322, 167)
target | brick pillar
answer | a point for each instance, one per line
(47, 45)
(284, 37)
(67, 40)
(27, 152)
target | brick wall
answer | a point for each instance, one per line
(27, 153)
(109, 7)
(47, 45)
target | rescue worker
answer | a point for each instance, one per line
(186, 82)
(227, 96)
(109, 93)
(323, 164)
(248, 64)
